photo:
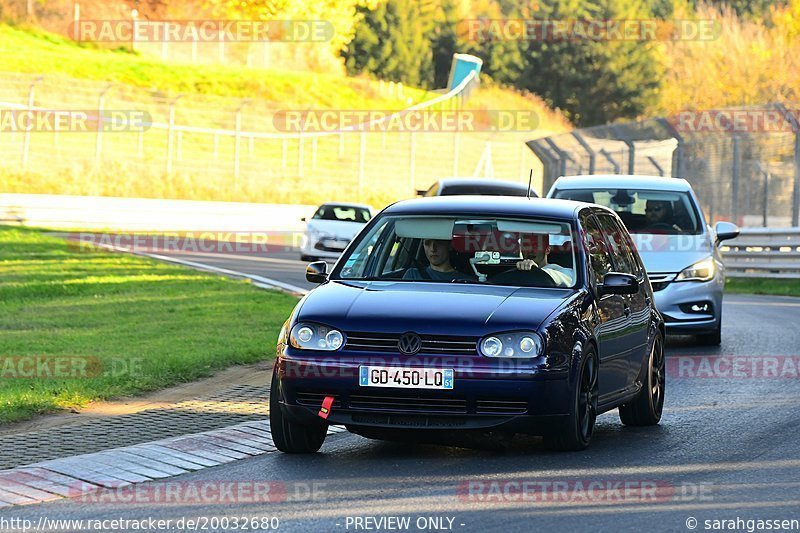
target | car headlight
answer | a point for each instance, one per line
(701, 271)
(309, 336)
(519, 344)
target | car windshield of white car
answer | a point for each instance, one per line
(343, 213)
(644, 211)
(483, 250)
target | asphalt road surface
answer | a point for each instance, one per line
(727, 449)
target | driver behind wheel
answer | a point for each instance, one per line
(659, 215)
(535, 249)
(439, 268)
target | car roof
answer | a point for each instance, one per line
(611, 181)
(487, 205)
(342, 204)
(481, 182)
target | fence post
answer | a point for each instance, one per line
(611, 160)
(314, 153)
(735, 177)
(101, 100)
(26, 138)
(362, 149)
(170, 128)
(585, 145)
(237, 137)
(655, 164)
(796, 187)
(766, 197)
(412, 179)
(631, 157)
(456, 152)
(300, 153)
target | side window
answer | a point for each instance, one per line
(615, 238)
(628, 249)
(597, 249)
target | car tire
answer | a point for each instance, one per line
(577, 433)
(646, 408)
(713, 338)
(288, 435)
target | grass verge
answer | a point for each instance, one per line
(778, 287)
(117, 324)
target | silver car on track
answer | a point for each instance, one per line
(679, 249)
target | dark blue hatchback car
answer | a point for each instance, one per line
(470, 313)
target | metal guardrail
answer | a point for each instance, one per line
(763, 253)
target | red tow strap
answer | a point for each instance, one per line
(326, 407)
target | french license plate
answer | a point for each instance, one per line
(405, 378)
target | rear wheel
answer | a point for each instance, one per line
(579, 428)
(645, 409)
(288, 435)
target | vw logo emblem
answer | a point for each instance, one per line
(409, 343)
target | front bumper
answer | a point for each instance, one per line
(484, 396)
(674, 300)
(318, 247)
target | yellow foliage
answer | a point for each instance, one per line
(750, 62)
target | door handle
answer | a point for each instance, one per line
(626, 310)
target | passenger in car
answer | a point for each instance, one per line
(535, 250)
(439, 268)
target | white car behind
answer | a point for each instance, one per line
(332, 228)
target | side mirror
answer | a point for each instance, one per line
(317, 272)
(619, 283)
(421, 192)
(726, 231)
(303, 219)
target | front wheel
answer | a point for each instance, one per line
(580, 426)
(645, 409)
(288, 435)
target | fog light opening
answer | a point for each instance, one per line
(697, 308)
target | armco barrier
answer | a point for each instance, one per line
(763, 253)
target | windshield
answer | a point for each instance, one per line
(495, 251)
(644, 211)
(345, 213)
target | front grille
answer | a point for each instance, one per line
(430, 404)
(314, 399)
(660, 281)
(431, 344)
(510, 407)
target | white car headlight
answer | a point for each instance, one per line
(310, 336)
(701, 271)
(518, 344)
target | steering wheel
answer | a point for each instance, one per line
(525, 278)
(662, 225)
